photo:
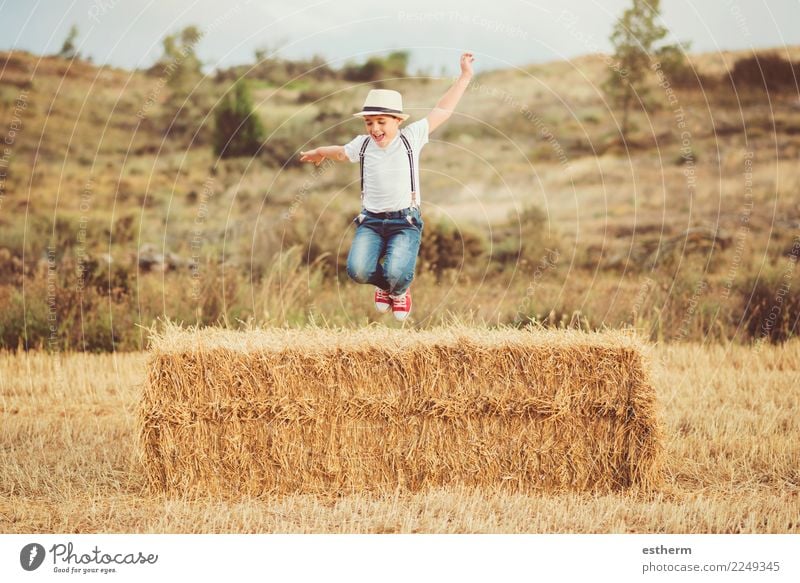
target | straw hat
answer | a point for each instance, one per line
(383, 101)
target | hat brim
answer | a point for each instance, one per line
(402, 116)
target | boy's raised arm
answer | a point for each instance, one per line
(444, 108)
(317, 155)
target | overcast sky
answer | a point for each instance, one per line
(501, 33)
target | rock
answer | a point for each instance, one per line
(151, 258)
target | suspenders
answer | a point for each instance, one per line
(410, 154)
(361, 167)
(411, 169)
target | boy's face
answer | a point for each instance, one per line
(382, 128)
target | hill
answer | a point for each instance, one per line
(114, 210)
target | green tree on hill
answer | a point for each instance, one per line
(377, 68)
(238, 130)
(180, 64)
(636, 37)
(68, 49)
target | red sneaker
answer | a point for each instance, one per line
(401, 305)
(383, 301)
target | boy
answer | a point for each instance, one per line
(389, 226)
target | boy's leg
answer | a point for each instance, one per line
(365, 252)
(401, 253)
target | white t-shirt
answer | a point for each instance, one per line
(387, 177)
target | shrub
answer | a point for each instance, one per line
(377, 68)
(770, 72)
(770, 305)
(446, 245)
(238, 130)
(525, 239)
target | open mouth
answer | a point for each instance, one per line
(378, 137)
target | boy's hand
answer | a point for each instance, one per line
(312, 156)
(466, 64)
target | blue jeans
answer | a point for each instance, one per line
(393, 237)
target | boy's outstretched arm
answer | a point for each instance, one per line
(450, 99)
(317, 155)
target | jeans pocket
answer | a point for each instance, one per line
(359, 219)
(415, 219)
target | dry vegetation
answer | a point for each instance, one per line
(730, 414)
(337, 412)
(531, 163)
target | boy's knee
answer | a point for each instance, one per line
(358, 274)
(399, 278)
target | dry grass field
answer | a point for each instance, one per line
(68, 460)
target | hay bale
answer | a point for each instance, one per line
(326, 411)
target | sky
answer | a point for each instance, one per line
(501, 33)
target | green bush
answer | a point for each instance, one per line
(238, 131)
(525, 240)
(376, 68)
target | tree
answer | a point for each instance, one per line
(238, 130)
(635, 38)
(68, 49)
(396, 63)
(377, 68)
(180, 63)
(674, 65)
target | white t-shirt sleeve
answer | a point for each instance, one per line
(417, 133)
(353, 147)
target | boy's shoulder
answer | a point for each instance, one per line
(420, 124)
(353, 147)
(417, 131)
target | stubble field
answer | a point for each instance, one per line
(69, 460)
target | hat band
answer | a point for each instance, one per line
(381, 109)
